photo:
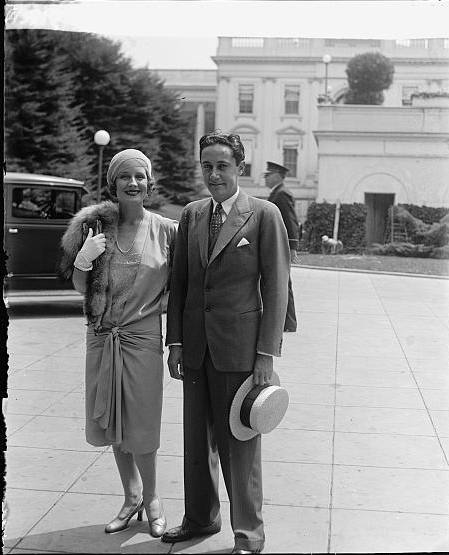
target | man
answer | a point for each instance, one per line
(283, 199)
(225, 317)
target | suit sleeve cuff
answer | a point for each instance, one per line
(267, 354)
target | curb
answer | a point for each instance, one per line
(355, 270)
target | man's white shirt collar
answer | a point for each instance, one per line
(227, 204)
(277, 186)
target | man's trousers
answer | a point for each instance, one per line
(290, 317)
(208, 396)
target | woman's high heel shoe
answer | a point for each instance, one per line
(121, 523)
(158, 525)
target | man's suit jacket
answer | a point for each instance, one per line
(284, 200)
(235, 302)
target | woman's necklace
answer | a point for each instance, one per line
(134, 240)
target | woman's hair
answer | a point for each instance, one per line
(230, 140)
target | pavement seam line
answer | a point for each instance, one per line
(331, 489)
(413, 376)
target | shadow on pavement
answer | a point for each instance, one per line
(92, 539)
(45, 310)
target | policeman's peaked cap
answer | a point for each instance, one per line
(277, 168)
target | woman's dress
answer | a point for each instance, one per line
(124, 368)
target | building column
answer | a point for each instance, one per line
(199, 132)
(224, 113)
(267, 141)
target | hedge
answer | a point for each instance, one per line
(428, 214)
(425, 226)
(320, 221)
(409, 250)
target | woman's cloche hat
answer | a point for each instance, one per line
(257, 409)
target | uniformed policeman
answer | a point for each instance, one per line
(283, 199)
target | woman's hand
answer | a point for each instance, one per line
(175, 363)
(92, 248)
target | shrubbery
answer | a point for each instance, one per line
(427, 214)
(320, 221)
(400, 249)
(427, 229)
(369, 75)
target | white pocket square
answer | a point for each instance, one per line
(243, 242)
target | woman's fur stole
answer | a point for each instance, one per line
(95, 299)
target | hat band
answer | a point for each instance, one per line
(248, 402)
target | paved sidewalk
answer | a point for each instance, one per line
(359, 464)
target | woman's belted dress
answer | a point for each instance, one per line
(124, 368)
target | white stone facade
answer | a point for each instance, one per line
(266, 90)
(384, 150)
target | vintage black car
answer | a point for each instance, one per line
(37, 211)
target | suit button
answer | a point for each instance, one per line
(207, 289)
(208, 308)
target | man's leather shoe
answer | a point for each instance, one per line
(242, 551)
(182, 533)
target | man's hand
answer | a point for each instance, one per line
(175, 364)
(263, 369)
(294, 259)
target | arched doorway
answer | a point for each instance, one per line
(377, 205)
(378, 191)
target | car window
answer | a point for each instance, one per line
(43, 203)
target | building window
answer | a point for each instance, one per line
(290, 155)
(248, 145)
(246, 99)
(291, 96)
(43, 203)
(407, 95)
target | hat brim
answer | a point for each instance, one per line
(238, 430)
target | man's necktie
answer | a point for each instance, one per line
(216, 222)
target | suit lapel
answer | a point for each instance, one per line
(237, 217)
(203, 230)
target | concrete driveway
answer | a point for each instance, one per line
(359, 463)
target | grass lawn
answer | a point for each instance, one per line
(426, 266)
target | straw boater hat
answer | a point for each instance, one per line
(257, 409)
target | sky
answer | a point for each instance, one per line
(183, 34)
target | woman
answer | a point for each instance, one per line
(123, 273)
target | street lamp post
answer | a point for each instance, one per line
(326, 60)
(101, 138)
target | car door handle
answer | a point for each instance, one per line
(13, 230)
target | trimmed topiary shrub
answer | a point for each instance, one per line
(427, 214)
(369, 75)
(437, 235)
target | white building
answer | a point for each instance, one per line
(266, 90)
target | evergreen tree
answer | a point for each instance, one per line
(42, 132)
(61, 87)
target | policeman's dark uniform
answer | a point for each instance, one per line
(283, 199)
